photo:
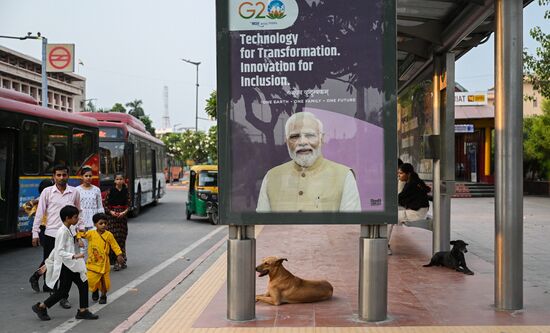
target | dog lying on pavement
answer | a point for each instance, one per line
(452, 259)
(284, 287)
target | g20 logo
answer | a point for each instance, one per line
(262, 14)
(274, 10)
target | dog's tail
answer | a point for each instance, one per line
(428, 265)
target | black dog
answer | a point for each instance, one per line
(453, 259)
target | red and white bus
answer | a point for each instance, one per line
(32, 140)
(127, 148)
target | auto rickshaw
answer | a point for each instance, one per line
(202, 197)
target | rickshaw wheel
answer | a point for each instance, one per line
(187, 213)
(214, 218)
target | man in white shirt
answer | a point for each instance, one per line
(308, 183)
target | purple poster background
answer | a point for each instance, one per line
(343, 87)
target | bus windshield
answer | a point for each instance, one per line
(112, 158)
(208, 178)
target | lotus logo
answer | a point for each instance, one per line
(276, 10)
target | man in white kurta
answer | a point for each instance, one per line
(308, 183)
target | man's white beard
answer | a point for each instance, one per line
(305, 160)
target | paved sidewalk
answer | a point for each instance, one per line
(419, 299)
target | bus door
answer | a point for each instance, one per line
(8, 196)
(154, 169)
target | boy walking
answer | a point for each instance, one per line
(50, 203)
(100, 243)
(68, 267)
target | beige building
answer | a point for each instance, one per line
(532, 101)
(20, 72)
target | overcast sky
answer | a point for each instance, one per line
(132, 49)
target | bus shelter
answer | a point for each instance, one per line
(429, 36)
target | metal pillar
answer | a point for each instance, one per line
(241, 279)
(197, 100)
(196, 63)
(508, 155)
(443, 163)
(373, 273)
(447, 155)
(44, 73)
(437, 244)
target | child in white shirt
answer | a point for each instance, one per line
(65, 265)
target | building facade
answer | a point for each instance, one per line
(475, 132)
(23, 73)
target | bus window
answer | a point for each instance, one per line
(137, 160)
(111, 156)
(54, 145)
(3, 168)
(31, 157)
(82, 148)
(143, 158)
(149, 160)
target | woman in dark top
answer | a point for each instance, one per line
(117, 205)
(414, 196)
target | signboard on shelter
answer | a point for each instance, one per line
(470, 98)
(60, 58)
(307, 119)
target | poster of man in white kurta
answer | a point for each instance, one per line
(309, 182)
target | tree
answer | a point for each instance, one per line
(211, 105)
(211, 144)
(194, 147)
(537, 67)
(90, 107)
(118, 108)
(148, 124)
(136, 108)
(173, 143)
(536, 144)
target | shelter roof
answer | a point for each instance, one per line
(474, 112)
(425, 27)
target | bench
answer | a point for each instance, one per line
(426, 223)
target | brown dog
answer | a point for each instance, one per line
(284, 287)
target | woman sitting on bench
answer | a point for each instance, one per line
(414, 196)
(413, 200)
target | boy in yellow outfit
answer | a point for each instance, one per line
(100, 243)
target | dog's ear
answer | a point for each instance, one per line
(280, 261)
(453, 242)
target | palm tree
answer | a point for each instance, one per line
(135, 108)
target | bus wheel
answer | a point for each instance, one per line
(187, 213)
(137, 208)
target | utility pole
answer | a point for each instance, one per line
(44, 73)
(196, 63)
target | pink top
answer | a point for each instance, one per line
(49, 204)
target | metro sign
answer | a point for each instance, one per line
(60, 58)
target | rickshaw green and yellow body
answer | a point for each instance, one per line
(202, 197)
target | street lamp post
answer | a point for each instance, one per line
(174, 127)
(44, 74)
(196, 63)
